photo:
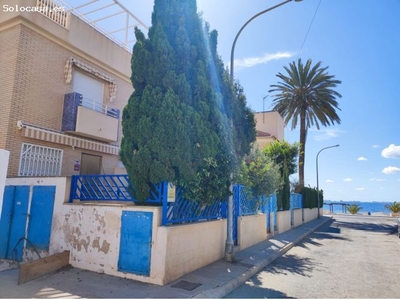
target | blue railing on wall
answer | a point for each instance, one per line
(245, 203)
(270, 206)
(110, 188)
(296, 201)
(182, 210)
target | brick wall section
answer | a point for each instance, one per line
(34, 92)
(8, 61)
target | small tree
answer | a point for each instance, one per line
(285, 156)
(353, 208)
(177, 124)
(259, 174)
(393, 207)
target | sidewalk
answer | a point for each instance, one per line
(212, 281)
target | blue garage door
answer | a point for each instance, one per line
(135, 243)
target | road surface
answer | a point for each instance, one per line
(349, 257)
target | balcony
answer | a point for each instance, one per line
(85, 117)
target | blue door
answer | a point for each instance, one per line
(13, 222)
(41, 216)
(135, 243)
(5, 219)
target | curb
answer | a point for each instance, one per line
(228, 287)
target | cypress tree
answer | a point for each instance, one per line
(176, 125)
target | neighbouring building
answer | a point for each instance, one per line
(63, 88)
(270, 127)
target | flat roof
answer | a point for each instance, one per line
(112, 18)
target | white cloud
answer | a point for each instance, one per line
(326, 134)
(375, 146)
(377, 179)
(360, 189)
(362, 158)
(392, 151)
(390, 170)
(329, 181)
(253, 61)
(348, 179)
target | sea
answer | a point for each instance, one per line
(366, 207)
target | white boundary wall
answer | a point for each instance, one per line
(251, 230)
(298, 217)
(4, 157)
(310, 214)
(92, 234)
(283, 221)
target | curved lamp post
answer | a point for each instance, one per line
(317, 174)
(229, 239)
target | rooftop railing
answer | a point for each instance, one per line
(54, 12)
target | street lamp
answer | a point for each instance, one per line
(317, 173)
(229, 239)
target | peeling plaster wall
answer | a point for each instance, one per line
(252, 230)
(92, 234)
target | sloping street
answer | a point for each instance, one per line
(348, 257)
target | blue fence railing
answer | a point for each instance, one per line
(182, 210)
(110, 188)
(246, 204)
(270, 207)
(296, 201)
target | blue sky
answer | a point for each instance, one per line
(360, 42)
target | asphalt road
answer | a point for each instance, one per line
(349, 257)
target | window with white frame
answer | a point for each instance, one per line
(40, 161)
(91, 89)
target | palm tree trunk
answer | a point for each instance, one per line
(302, 154)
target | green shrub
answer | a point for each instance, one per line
(393, 207)
(353, 208)
(310, 197)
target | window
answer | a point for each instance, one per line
(40, 161)
(92, 90)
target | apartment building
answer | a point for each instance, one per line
(63, 87)
(270, 127)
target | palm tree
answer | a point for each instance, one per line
(306, 95)
(393, 207)
(353, 208)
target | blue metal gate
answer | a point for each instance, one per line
(135, 242)
(40, 217)
(13, 222)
